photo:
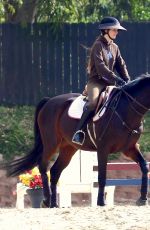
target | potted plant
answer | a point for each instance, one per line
(32, 180)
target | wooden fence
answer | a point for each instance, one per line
(36, 62)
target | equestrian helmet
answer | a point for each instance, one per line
(110, 23)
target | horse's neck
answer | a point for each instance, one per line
(141, 101)
(141, 93)
(137, 104)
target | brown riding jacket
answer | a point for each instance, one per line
(105, 60)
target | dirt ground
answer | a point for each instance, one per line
(125, 217)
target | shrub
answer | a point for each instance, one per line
(16, 131)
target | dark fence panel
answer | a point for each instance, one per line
(82, 58)
(74, 48)
(67, 58)
(36, 61)
(134, 46)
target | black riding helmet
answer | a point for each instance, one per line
(110, 23)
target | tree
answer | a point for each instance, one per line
(59, 11)
(16, 11)
(131, 10)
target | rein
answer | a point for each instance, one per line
(116, 100)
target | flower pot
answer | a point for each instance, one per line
(36, 196)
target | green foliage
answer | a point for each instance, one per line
(9, 7)
(2, 12)
(145, 138)
(65, 11)
(74, 11)
(133, 10)
(16, 131)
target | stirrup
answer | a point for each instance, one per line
(78, 137)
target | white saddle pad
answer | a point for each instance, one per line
(76, 108)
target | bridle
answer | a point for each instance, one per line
(113, 105)
(134, 100)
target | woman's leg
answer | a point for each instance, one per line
(93, 89)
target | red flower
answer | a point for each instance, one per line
(36, 182)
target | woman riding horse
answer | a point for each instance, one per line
(105, 57)
(118, 130)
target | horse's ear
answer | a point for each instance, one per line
(143, 75)
(148, 74)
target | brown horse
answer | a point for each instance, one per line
(118, 130)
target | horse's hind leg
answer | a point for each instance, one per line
(43, 166)
(136, 155)
(65, 155)
(46, 190)
(50, 146)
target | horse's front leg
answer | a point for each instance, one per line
(102, 167)
(143, 200)
(135, 154)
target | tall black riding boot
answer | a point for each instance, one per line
(79, 135)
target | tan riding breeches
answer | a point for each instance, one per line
(93, 90)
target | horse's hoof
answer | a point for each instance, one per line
(101, 203)
(141, 202)
(43, 204)
(54, 206)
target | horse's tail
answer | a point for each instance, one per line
(19, 166)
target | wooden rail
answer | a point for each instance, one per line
(121, 181)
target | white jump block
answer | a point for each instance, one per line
(64, 200)
(65, 194)
(21, 191)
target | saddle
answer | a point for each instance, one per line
(77, 106)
